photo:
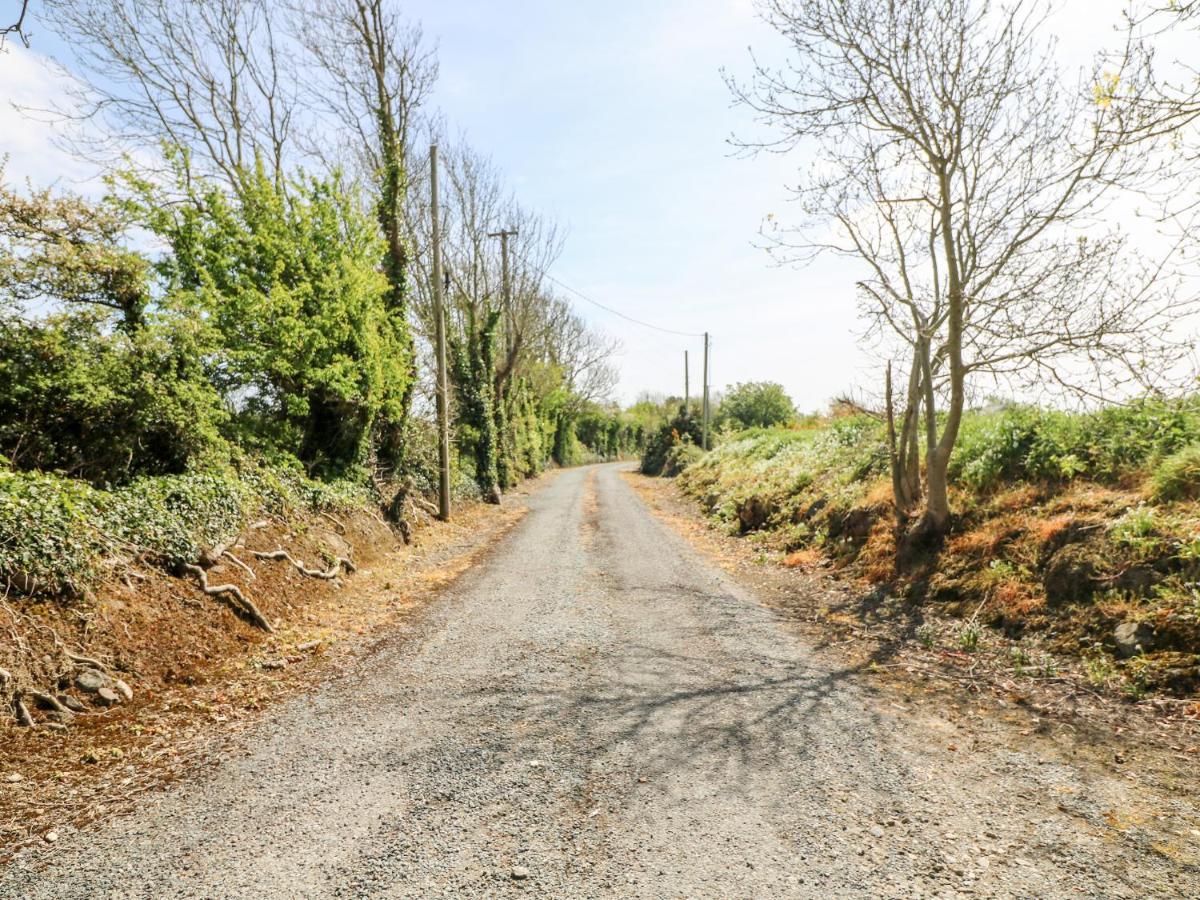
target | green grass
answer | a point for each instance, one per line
(1026, 443)
(777, 473)
(1178, 476)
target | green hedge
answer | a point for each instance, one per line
(61, 534)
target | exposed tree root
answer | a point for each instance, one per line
(241, 565)
(86, 661)
(212, 556)
(48, 701)
(332, 572)
(244, 605)
(337, 523)
(22, 712)
(425, 506)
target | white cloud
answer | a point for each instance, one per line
(33, 82)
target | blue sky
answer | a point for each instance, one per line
(614, 119)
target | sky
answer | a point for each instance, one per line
(614, 119)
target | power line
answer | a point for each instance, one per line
(617, 312)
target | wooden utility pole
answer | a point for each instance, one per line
(705, 412)
(507, 286)
(443, 399)
(687, 397)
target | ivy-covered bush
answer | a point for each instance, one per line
(308, 354)
(58, 535)
(107, 405)
(669, 435)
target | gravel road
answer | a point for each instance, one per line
(595, 711)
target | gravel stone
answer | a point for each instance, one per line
(90, 680)
(108, 696)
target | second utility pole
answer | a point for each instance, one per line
(687, 397)
(505, 276)
(705, 412)
(439, 330)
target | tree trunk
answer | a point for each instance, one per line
(935, 521)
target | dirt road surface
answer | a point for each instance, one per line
(596, 711)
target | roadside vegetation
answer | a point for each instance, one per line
(230, 336)
(1080, 531)
(975, 189)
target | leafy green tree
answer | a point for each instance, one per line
(108, 405)
(62, 249)
(310, 355)
(756, 404)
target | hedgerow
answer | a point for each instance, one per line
(1026, 443)
(1069, 524)
(60, 535)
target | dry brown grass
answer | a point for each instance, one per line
(1045, 530)
(804, 558)
(1117, 606)
(879, 495)
(1086, 497)
(1016, 599)
(877, 559)
(1021, 497)
(986, 539)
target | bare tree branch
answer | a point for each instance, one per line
(17, 27)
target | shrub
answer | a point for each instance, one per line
(669, 434)
(1021, 442)
(1178, 476)
(681, 456)
(756, 404)
(106, 405)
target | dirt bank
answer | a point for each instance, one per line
(198, 673)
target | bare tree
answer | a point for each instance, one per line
(17, 27)
(1169, 103)
(582, 354)
(207, 76)
(956, 166)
